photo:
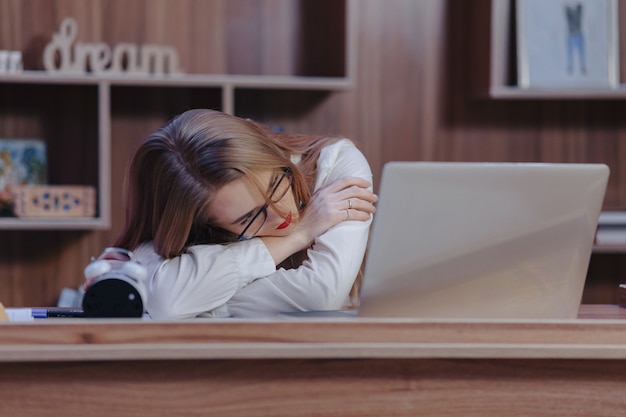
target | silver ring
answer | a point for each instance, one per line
(347, 215)
(349, 204)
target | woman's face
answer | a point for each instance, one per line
(239, 207)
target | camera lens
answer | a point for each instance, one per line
(112, 297)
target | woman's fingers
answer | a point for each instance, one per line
(350, 198)
(364, 203)
(346, 199)
(358, 209)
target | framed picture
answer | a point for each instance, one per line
(567, 43)
(22, 162)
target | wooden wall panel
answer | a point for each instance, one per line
(211, 37)
(411, 101)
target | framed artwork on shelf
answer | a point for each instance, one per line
(567, 43)
(22, 162)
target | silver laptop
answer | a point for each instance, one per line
(482, 240)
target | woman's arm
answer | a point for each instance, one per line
(324, 280)
(201, 279)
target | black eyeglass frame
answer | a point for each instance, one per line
(263, 210)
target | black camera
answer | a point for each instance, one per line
(115, 285)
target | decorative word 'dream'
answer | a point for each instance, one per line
(62, 55)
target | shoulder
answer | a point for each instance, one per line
(331, 152)
(341, 159)
(146, 254)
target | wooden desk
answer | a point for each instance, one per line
(295, 367)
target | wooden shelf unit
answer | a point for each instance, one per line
(112, 97)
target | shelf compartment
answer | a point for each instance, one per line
(70, 131)
(493, 73)
(286, 37)
(282, 109)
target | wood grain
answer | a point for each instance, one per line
(296, 387)
(291, 369)
(595, 336)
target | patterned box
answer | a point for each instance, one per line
(55, 201)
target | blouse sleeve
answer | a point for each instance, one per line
(202, 278)
(324, 280)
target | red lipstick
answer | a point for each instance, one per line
(286, 223)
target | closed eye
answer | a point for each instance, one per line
(245, 219)
(273, 183)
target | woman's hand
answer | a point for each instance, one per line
(345, 199)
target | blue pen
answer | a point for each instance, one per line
(43, 313)
(39, 313)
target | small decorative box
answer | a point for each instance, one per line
(55, 201)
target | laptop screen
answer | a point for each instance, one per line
(482, 240)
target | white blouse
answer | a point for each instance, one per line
(241, 280)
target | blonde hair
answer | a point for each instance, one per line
(175, 173)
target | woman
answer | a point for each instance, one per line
(233, 219)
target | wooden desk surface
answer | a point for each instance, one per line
(298, 368)
(598, 333)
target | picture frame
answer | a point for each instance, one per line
(567, 43)
(22, 162)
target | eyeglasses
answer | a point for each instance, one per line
(279, 186)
